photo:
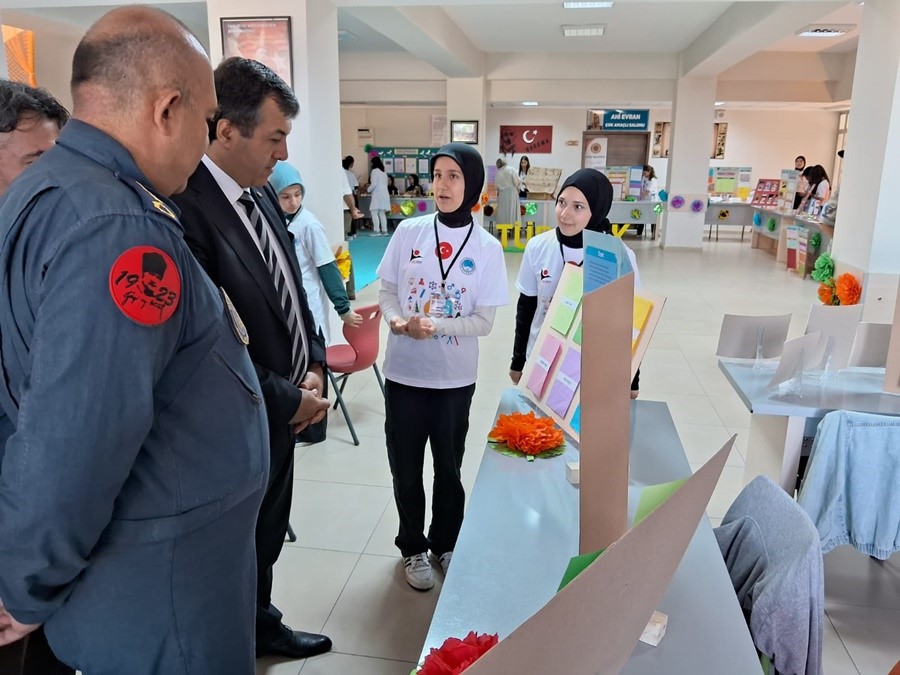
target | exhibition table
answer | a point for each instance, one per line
(778, 421)
(521, 529)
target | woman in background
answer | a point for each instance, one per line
(649, 193)
(524, 168)
(507, 183)
(583, 204)
(381, 199)
(413, 188)
(392, 189)
(819, 186)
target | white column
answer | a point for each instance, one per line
(465, 102)
(867, 236)
(692, 120)
(315, 142)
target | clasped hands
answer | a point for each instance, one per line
(312, 408)
(416, 327)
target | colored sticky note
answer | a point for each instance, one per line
(567, 378)
(576, 419)
(577, 565)
(577, 337)
(550, 349)
(654, 495)
(640, 314)
(570, 298)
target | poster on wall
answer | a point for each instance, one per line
(439, 130)
(661, 133)
(264, 39)
(720, 136)
(524, 140)
(595, 152)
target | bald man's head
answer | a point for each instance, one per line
(136, 50)
(143, 78)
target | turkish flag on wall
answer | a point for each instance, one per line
(526, 140)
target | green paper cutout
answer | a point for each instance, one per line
(504, 449)
(577, 337)
(653, 496)
(577, 565)
(570, 299)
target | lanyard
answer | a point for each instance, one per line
(563, 256)
(445, 274)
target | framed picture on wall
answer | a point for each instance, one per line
(720, 135)
(264, 39)
(464, 132)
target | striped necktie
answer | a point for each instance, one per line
(264, 238)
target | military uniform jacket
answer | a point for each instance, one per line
(134, 413)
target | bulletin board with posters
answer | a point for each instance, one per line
(730, 181)
(400, 162)
(263, 39)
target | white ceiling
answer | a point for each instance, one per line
(850, 14)
(634, 27)
(361, 37)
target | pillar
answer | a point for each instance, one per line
(466, 101)
(692, 121)
(314, 144)
(867, 238)
(4, 72)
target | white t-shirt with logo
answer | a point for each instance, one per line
(542, 266)
(476, 278)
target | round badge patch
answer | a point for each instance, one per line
(445, 250)
(467, 266)
(145, 285)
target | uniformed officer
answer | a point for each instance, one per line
(131, 481)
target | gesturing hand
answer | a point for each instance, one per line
(11, 630)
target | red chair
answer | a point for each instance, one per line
(360, 353)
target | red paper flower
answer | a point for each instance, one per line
(848, 289)
(527, 433)
(455, 655)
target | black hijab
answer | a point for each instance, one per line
(472, 166)
(598, 192)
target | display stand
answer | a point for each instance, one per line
(892, 367)
(752, 337)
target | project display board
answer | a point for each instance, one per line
(552, 376)
(404, 161)
(766, 194)
(626, 180)
(730, 180)
(541, 182)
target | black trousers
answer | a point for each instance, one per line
(271, 528)
(414, 416)
(31, 656)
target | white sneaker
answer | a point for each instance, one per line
(444, 560)
(418, 571)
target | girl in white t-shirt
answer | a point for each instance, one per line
(442, 278)
(583, 204)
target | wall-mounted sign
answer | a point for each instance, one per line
(526, 140)
(618, 120)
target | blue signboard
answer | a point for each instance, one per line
(626, 120)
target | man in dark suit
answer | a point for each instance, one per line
(235, 228)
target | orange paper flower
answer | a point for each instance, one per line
(826, 294)
(848, 289)
(527, 433)
(455, 655)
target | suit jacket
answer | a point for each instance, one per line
(228, 253)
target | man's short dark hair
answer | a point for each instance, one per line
(19, 101)
(242, 86)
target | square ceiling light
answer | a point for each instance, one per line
(822, 30)
(589, 4)
(584, 30)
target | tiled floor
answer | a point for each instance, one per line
(342, 575)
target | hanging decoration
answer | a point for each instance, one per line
(408, 208)
(697, 205)
(724, 214)
(847, 289)
(530, 208)
(771, 224)
(488, 210)
(823, 270)
(636, 214)
(484, 199)
(422, 205)
(395, 209)
(677, 202)
(815, 240)
(757, 220)
(476, 208)
(658, 209)
(367, 147)
(663, 196)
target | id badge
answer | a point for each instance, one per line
(436, 306)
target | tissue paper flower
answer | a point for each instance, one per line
(636, 214)
(826, 294)
(848, 289)
(677, 202)
(526, 435)
(530, 208)
(422, 205)
(488, 210)
(408, 208)
(697, 206)
(823, 270)
(723, 214)
(815, 240)
(455, 655)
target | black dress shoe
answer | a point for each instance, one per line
(295, 645)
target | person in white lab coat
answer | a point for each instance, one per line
(381, 198)
(507, 183)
